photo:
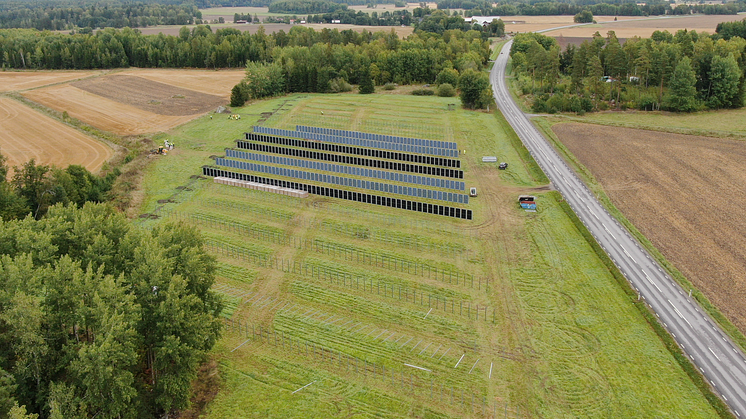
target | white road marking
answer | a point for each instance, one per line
(716, 356)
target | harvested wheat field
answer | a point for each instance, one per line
(685, 193)
(536, 23)
(105, 114)
(23, 80)
(646, 26)
(150, 96)
(217, 83)
(26, 134)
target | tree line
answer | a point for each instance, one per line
(383, 58)
(100, 319)
(35, 187)
(684, 72)
(305, 6)
(115, 15)
(350, 17)
(600, 9)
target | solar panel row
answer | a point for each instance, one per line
(359, 161)
(348, 170)
(377, 137)
(344, 181)
(360, 142)
(358, 151)
(447, 211)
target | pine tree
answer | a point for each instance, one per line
(366, 82)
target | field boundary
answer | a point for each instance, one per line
(657, 128)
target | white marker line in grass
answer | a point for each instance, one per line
(419, 368)
(423, 349)
(444, 353)
(346, 323)
(397, 341)
(402, 345)
(389, 337)
(436, 351)
(303, 387)
(244, 342)
(379, 335)
(371, 331)
(431, 309)
(475, 364)
(418, 344)
(490, 370)
(459, 361)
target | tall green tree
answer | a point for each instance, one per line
(725, 76)
(475, 89)
(366, 82)
(682, 91)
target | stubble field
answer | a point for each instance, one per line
(682, 193)
(140, 101)
(26, 134)
(370, 308)
(644, 28)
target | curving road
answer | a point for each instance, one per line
(712, 351)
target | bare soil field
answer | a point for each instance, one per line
(26, 134)
(23, 80)
(523, 24)
(212, 82)
(106, 114)
(645, 27)
(151, 96)
(684, 193)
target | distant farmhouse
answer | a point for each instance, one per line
(483, 20)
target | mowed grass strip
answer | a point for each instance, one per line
(610, 362)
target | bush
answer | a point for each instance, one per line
(239, 94)
(423, 92)
(447, 75)
(339, 85)
(389, 86)
(446, 90)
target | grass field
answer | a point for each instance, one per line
(722, 123)
(313, 298)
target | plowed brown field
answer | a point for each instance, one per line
(149, 95)
(22, 80)
(218, 83)
(26, 134)
(684, 193)
(106, 114)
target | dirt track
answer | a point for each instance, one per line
(685, 193)
(26, 134)
(150, 96)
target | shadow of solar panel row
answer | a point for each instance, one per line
(360, 142)
(358, 161)
(344, 181)
(348, 170)
(377, 137)
(358, 151)
(462, 213)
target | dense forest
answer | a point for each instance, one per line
(97, 317)
(36, 187)
(305, 6)
(682, 72)
(114, 15)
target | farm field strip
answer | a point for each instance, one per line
(26, 134)
(24, 80)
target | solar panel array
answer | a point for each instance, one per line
(377, 137)
(361, 142)
(345, 181)
(359, 161)
(348, 170)
(462, 213)
(346, 149)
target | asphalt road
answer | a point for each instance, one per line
(712, 351)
